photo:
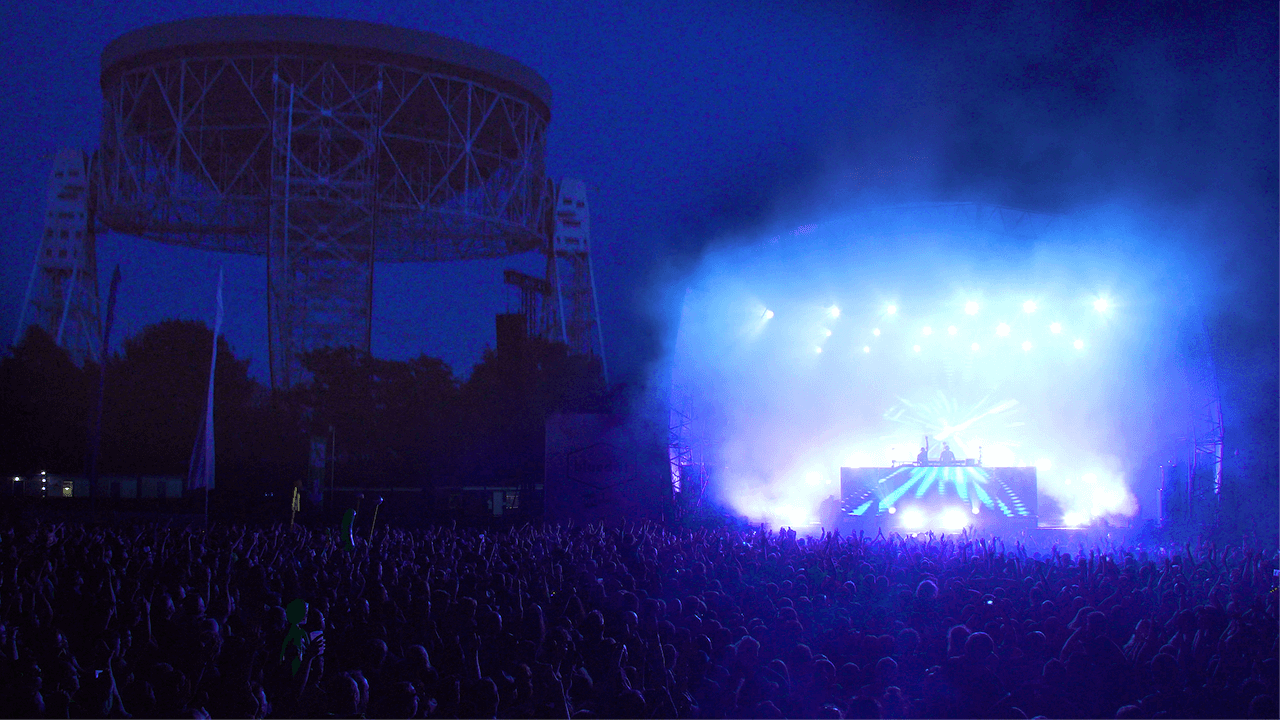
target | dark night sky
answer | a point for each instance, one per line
(691, 121)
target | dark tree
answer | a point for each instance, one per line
(45, 408)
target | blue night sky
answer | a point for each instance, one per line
(693, 122)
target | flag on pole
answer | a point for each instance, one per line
(200, 472)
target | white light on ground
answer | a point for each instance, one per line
(891, 310)
(1078, 344)
(927, 330)
(954, 519)
(1026, 345)
(1002, 329)
(1055, 328)
(971, 308)
(952, 330)
(1029, 306)
(912, 519)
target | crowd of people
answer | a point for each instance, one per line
(629, 621)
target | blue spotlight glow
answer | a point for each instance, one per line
(1002, 329)
(833, 311)
(913, 519)
(817, 348)
(953, 519)
(1055, 328)
(1102, 304)
(768, 314)
(927, 330)
(1029, 306)
(876, 332)
(866, 348)
(971, 308)
(828, 332)
(891, 310)
(1078, 344)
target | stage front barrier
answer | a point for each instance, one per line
(938, 498)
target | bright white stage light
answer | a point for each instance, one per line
(1026, 345)
(976, 508)
(975, 347)
(1055, 328)
(916, 348)
(1029, 306)
(1089, 478)
(768, 314)
(953, 519)
(971, 308)
(912, 519)
(891, 310)
(1002, 329)
(1075, 519)
(1102, 304)
(927, 330)
(876, 332)
(1078, 344)
(893, 509)
(828, 332)
(833, 311)
(817, 348)
(952, 330)
(812, 478)
(1043, 465)
(866, 348)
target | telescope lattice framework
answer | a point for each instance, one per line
(325, 145)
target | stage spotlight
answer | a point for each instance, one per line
(927, 330)
(1075, 519)
(768, 314)
(912, 519)
(893, 509)
(891, 310)
(876, 332)
(1029, 306)
(974, 347)
(1002, 329)
(817, 348)
(971, 308)
(833, 311)
(952, 330)
(1078, 344)
(1055, 328)
(1102, 304)
(1043, 465)
(866, 348)
(1026, 345)
(916, 348)
(953, 519)
(1089, 478)
(828, 332)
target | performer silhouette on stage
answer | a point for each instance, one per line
(947, 457)
(923, 457)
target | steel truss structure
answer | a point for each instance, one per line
(62, 294)
(326, 146)
(570, 274)
(1204, 476)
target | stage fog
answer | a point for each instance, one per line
(1016, 339)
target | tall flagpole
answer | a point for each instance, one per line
(201, 473)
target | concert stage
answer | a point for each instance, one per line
(939, 498)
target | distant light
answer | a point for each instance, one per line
(953, 519)
(42, 472)
(1102, 304)
(916, 348)
(893, 509)
(828, 332)
(866, 348)
(927, 330)
(912, 519)
(1078, 344)
(974, 347)
(891, 310)
(817, 349)
(1089, 478)
(833, 311)
(952, 330)
(971, 308)
(876, 332)
(1002, 329)
(976, 508)
(768, 314)
(1029, 306)
(1055, 328)
(1026, 345)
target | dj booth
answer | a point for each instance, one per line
(939, 498)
